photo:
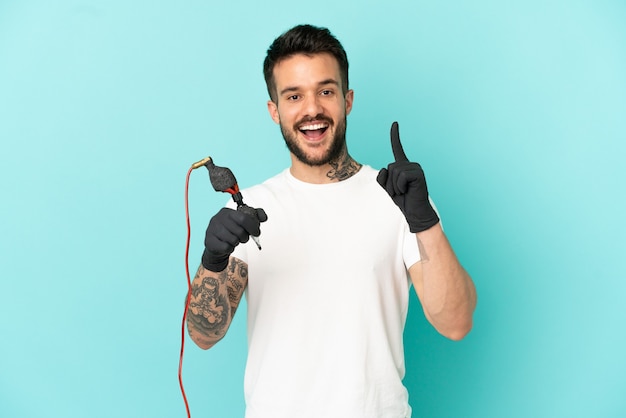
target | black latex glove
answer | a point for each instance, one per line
(226, 230)
(406, 184)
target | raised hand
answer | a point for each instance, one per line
(405, 182)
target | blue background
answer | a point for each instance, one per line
(516, 110)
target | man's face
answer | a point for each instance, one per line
(311, 108)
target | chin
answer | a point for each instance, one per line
(328, 149)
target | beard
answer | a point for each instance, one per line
(337, 145)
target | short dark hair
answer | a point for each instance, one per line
(308, 40)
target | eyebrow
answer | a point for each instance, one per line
(320, 84)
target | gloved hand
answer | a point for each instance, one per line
(406, 184)
(226, 230)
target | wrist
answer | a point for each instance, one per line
(212, 263)
(423, 220)
(431, 232)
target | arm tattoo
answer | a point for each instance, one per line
(343, 168)
(237, 281)
(208, 308)
(215, 298)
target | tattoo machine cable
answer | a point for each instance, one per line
(223, 180)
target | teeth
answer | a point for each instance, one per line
(313, 127)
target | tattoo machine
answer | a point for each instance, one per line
(223, 180)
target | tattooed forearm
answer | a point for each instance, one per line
(209, 310)
(237, 282)
(213, 301)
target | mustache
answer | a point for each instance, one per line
(316, 118)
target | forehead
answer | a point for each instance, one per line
(301, 70)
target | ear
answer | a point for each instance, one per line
(349, 99)
(273, 109)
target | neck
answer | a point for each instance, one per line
(338, 170)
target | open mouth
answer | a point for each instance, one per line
(313, 131)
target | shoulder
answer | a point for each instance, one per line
(368, 172)
(273, 186)
(366, 177)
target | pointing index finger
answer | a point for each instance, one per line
(396, 146)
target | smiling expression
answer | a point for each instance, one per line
(311, 108)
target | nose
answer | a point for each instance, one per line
(312, 106)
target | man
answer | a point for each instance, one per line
(328, 293)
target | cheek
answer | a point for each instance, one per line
(339, 113)
(287, 115)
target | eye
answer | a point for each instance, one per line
(293, 97)
(326, 92)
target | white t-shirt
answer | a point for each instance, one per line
(327, 300)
